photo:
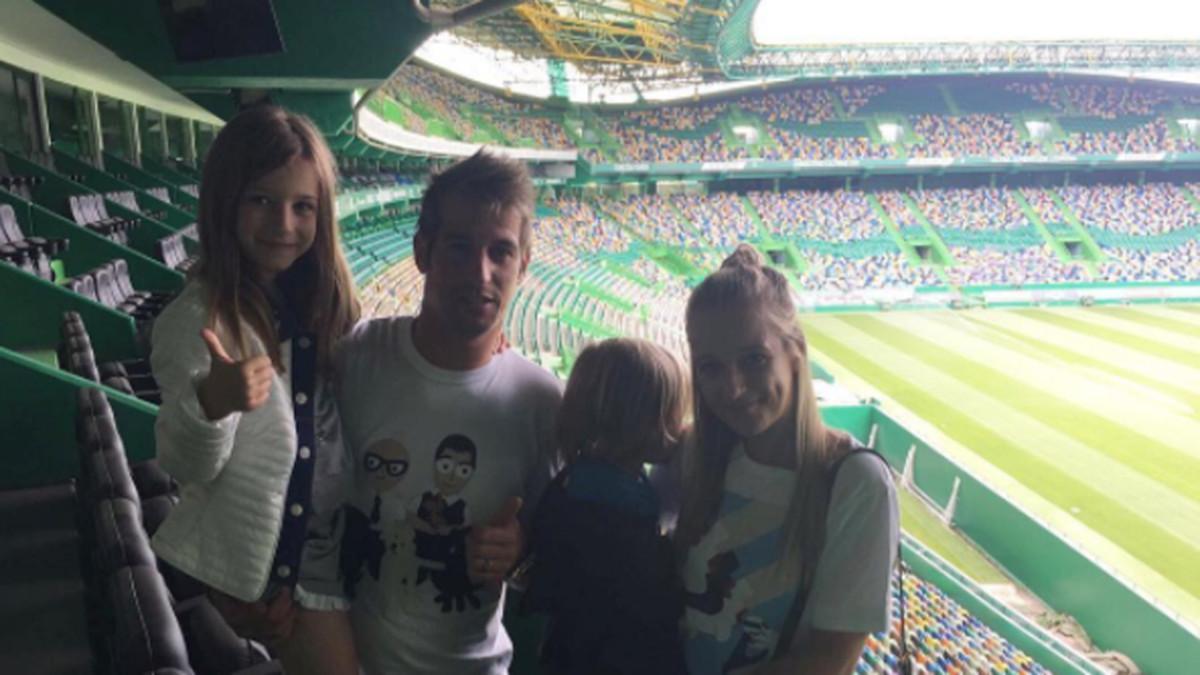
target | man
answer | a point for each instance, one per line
(478, 426)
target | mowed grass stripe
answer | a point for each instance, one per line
(1036, 344)
(1129, 449)
(1121, 334)
(1176, 313)
(1147, 316)
(1083, 340)
(1061, 395)
(901, 378)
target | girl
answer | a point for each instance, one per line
(247, 424)
(789, 528)
(601, 569)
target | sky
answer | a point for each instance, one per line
(797, 22)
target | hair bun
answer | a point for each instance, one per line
(744, 256)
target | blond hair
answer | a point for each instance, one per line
(624, 396)
(744, 282)
(254, 143)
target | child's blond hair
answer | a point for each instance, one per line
(624, 396)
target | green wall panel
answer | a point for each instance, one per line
(38, 422)
(1113, 614)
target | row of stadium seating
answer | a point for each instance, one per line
(818, 122)
(1154, 216)
(145, 616)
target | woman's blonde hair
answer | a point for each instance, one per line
(743, 282)
(624, 395)
(254, 143)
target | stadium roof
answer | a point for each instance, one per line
(689, 41)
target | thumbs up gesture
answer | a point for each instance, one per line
(232, 386)
(493, 549)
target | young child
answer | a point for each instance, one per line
(601, 569)
(248, 425)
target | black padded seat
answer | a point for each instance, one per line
(106, 476)
(214, 647)
(151, 480)
(183, 587)
(83, 364)
(145, 634)
(120, 540)
(154, 511)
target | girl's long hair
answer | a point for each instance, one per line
(743, 282)
(318, 285)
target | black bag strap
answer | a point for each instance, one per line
(788, 629)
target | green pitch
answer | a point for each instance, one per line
(1095, 413)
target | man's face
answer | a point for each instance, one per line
(472, 267)
(385, 464)
(452, 470)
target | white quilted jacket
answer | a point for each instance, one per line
(233, 473)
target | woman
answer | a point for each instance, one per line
(789, 529)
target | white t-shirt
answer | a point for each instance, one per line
(739, 592)
(435, 451)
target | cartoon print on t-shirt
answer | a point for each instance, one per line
(369, 537)
(718, 584)
(442, 524)
(755, 644)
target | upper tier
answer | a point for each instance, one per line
(1026, 118)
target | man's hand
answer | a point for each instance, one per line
(232, 386)
(266, 622)
(493, 549)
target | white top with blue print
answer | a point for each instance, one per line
(738, 590)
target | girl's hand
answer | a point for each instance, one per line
(233, 386)
(267, 622)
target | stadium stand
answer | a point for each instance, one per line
(610, 259)
(828, 123)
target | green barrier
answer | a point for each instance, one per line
(88, 249)
(40, 306)
(175, 176)
(55, 190)
(853, 419)
(586, 325)
(1114, 615)
(1016, 629)
(38, 420)
(853, 167)
(591, 289)
(135, 175)
(626, 272)
(169, 216)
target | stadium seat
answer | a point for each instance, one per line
(171, 252)
(89, 211)
(131, 376)
(119, 538)
(151, 481)
(144, 634)
(30, 253)
(213, 647)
